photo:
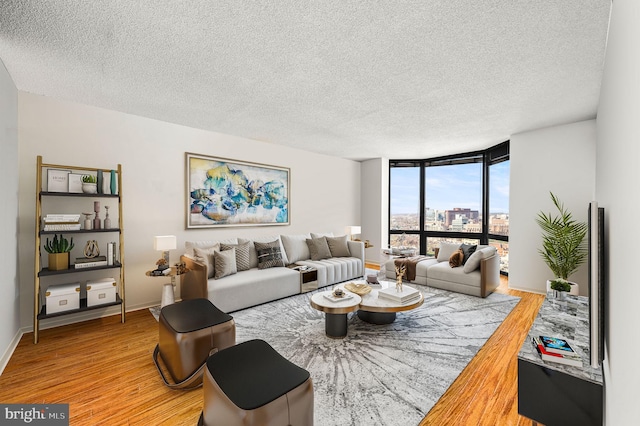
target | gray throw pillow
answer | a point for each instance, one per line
(205, 256)
(243, 260)
(319, 248)
(225, 263)
(338, 246)
(269, 254)
(467, 250)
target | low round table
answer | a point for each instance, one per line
(376, 310)
(335, 312)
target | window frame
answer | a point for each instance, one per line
(491, 156)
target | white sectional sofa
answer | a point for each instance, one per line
(479, 276)
(254, 286)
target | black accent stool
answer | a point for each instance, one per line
(378, 318)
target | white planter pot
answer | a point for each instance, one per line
(89, 188)
(575, 288)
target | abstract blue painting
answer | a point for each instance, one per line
(224, 192)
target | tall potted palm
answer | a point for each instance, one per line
(563, 242)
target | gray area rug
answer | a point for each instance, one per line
(379, 374)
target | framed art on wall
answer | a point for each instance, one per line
(224, 192)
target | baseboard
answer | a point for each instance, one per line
(86, 316)
(6, 356)
(526, 290)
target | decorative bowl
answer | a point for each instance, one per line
(359, 289)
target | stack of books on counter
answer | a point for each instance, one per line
(61, 222)
(408, 294)
(554, 349)
(90, 262)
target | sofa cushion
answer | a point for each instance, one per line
(318, 248)
(442, 272)
(253, 254)
(225, 263)
(242, 254)
(336, 269)
(269, 254)
(455, 259)
(474, 260)
(296, 247)
(253, 287)
(205, 256)
(190, 245)
(326, 234)
(446, 250)
(338, 246)
(468, 250)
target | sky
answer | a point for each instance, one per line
(449, 187)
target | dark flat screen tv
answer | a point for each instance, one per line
(597, 285)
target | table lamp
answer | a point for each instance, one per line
(354, 230)
(164, 243)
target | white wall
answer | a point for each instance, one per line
(374, 202)
(560, 159)
(9, 302)
(324, 190)
(618, 174)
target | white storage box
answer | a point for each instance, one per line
(101, 291)
(62, 297)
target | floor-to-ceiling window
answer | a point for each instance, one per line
(461, 198)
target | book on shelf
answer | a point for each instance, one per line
(557, 345)
(90, 259)
(566, 359)
(90, 264)
(407, 294)
(62, 218)
(62, 227)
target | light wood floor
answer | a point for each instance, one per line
(104, 370)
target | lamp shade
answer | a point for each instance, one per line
(354, 230)
(164, 242)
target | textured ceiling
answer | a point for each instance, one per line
(354, 79)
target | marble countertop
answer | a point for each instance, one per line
(568, 320)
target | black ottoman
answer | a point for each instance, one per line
(190, 331)
(252, 384)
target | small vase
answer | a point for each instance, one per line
(99, 181)
(113, 182)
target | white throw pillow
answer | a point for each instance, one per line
(446, 250)
(296, 247)
(473, 262)
(205, 256)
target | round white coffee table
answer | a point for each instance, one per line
(335, 311)
(377, 310)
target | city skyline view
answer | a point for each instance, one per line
(448, 187)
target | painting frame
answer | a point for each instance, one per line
(224, 192)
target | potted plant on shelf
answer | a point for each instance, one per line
(89, 184)
(58, 250)
(563, 244)
(560, 288)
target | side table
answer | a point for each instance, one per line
(308, 277)
(167, 291)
